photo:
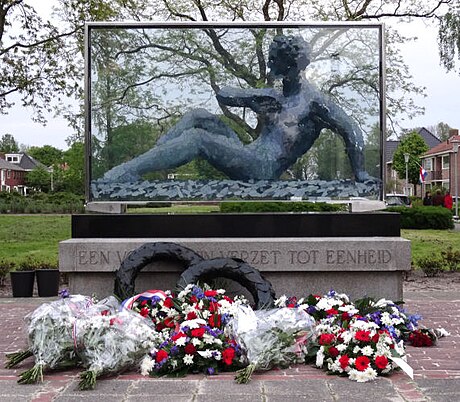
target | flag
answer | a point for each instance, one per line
(423, 174)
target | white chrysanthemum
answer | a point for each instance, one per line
(207, 354)
(173, 363)
(382, 303)
(188, 360)
(147, 365)
(362, 376)
(196, 341)
(334, 366)
(367, 351)
(363, 325)
(320, 357)
(217, 355)
(193, 324)
(208, 339)
(356, 350)
(217, 341)
(341, 347)
(347, 336)
(181, 341)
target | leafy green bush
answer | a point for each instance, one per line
(41, 203)
(280, 206)
(451, 258)
(424, 217)
(5, 268)
(431, 266)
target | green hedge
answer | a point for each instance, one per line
(424, 217)
(275, 206)
(41, 203)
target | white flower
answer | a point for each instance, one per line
(208, 339)
(281, 302)
(335, 367)
(356, 350)
(173, 363)
(196, 341)
(341, 347)
(147, 365)
(193, 324)
(181, 341)
(207, 354)
(188, 360)
(367, 351)
(363, 376)
(320, 357)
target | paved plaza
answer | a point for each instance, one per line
(436, 370)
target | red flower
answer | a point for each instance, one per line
(191, 316)
(214, 321)
(345, 316)
(332, 311)
(175, 337)
(381, 362)
(333, 351)
(193, 299)
(143, 303)
(144, 311)
(344, 360)
(213, 307)
(362, 363)
(161, 355)
(326, 339)
(198, 332)
(169, 322)
(375, 338)
(228, 355)
(210, 293)
(419, 338)
(169, 302)
(105, 312)
(190, 349)
(291, 305)
(228, 299)
(160, 326)
(364, 336)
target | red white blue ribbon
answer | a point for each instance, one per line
(147, 295)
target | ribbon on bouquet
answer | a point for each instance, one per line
(147, 295)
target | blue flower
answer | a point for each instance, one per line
(210, 371)
(311, 310)
(64, 293)
(174, 350)
(198, 292)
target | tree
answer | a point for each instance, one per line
(39, 179)
(414, 145)
(440, 130)
(449, 37)
(47, 154)
(8, 144)
(72, 172)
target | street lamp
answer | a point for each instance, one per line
(454, 143)
(406, 159)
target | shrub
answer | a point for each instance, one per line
(431, 266)
(41, 203)
(280, 206)
(424, 217)
(451, 258)
(5, 268)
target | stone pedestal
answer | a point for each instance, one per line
(297, 266)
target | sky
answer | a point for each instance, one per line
(442, 103)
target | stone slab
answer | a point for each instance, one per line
(295, 266)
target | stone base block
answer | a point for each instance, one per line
(371, 266)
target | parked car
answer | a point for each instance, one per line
(398, 200)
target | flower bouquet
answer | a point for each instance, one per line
(110, 342)
(49, 329)
(276, 337)
(194, 322)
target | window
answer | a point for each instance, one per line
(8, 174)
(428, 164)
(445, 161)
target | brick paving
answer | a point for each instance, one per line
(436, 370)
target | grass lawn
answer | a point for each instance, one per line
(37, 236)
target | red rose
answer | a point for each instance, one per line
(168, 302)
(210, 293)
(193, 299)
(143, 302)
(228, 299)
(169, 322)
(364, 336)
(345, 317)
(190, 349)
(344, 360)
(332, 311)
(381, 362)
(198, 332)
(177, 336)
(375, 338)
(213, 307)
(160, 326)
(326, 339)
(333, 351)
(191, 316)
(161, 355)
(214, 321)
(228, 355)
(362, 363)
(144, 312)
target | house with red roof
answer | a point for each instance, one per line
(442, 163)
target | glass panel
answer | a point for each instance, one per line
(252, 112)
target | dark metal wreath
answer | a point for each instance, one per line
(144, 255)
(235, 269)
(198, 270)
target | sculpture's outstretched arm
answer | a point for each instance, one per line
(264, 100)
(334, 118)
